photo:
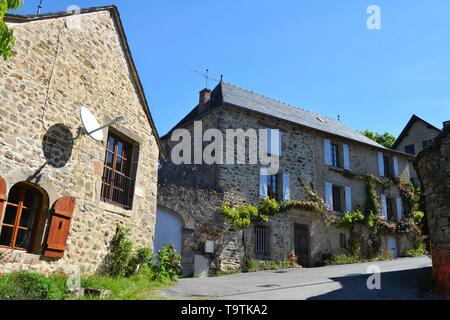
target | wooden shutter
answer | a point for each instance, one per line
(346, 157)
(380, 164)
(327, 151)
(348, 199)
(286, 187)
(3, 197)
(263, 183)
(275, 142)
(395, 160)
(329, 196)
(59, 227)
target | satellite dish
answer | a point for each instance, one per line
(91, 125)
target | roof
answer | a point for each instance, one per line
(12, 18)
(408, 126)
(244, 99)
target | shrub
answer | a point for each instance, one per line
(412, 252)
(121, 252)
(32, 286)
(141, 262)
(268, 207)
(418, 217)
(168, 265)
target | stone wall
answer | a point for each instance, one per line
(41, 93)
(200, 212)
(433, 168)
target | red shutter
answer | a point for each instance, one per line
(3, 197)
(59, 227)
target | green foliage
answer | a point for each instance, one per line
(6, 34)
(386, 139)
(256, 266)
(138, 287)
(268, 207)
(121, 253)
(168, 266)
(32, 286)
(349, 219)
(418, 217)
(414, 252)
(141, 262)
(340, 259)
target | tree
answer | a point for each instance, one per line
(386, 139)
(6, 34)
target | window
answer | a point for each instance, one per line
(335, 155)
(410, 149)
(22, 208)
(274, 143)
(272, 187)
(426, 143)
(387, 166)
(337, 199)
(261, 241)
(343, 241)
(117, 184)
(390, 209)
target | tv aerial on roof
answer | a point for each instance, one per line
(91, 127)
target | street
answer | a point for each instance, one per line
(399, 280)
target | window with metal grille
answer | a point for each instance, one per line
(22, 208)
(343, 241)
(117, 184)
(261, 241)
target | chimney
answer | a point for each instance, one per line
(205, 96)
(446, 125)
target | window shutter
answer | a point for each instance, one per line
(263, 183)
(384, 206)
(329, 196)
(327, 151)
(348, 199)
(399, 209)
(286, 187)
(395, 160)
(268, 141)
(280, 143)
(346, 157)
(380, 164)
(59, 227)
(3, 197)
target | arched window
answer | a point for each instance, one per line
(21, 215)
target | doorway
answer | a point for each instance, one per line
(301, 243)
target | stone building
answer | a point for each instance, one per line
(433, 167)
(62, 193)
(416, 136)
(314, 150)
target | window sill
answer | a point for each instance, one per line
(115, 209)
(19, 256)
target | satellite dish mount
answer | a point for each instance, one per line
(91, 127)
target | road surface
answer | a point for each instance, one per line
(399, 280)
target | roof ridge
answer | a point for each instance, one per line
(282, 102)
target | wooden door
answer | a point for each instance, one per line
(301, 243)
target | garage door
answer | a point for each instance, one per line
(169, 227)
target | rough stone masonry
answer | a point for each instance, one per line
(54, 71)
(433, 167)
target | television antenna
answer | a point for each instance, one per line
(91, 127)
(40, 6)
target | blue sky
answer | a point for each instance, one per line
(318, 55)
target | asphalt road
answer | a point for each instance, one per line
(399, 280)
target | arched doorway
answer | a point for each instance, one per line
(168, 230)
(20, 225)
